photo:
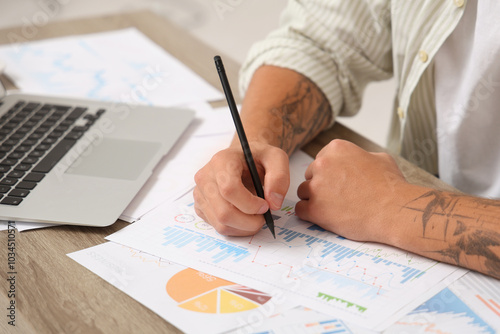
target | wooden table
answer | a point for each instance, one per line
(54, 294)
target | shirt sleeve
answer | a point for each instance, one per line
(340, 45)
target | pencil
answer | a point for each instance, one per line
(243, 139)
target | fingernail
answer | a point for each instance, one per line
(263, 209)
(276, 200)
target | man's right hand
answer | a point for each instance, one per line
(224, 194)
(282, 111)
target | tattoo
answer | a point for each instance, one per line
(304, 112)
(468, 226)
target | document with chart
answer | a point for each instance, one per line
(193, 301)
(364, 283)
(122, 66)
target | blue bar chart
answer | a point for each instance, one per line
(344, 256)
(361, 281)
(221, 250)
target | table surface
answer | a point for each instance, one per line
(55, 294)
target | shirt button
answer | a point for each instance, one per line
(459, 3)
(401, 113)
(422, 55)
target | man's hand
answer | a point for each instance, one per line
(282, 111)
(350, 191)
(364, 196)
(224, 193)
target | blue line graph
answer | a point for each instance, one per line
(370, 271)
(360, 281)
(181, 237)
(87, 62)
(345, 256)
(362, 265)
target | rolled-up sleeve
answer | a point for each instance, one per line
(339, 45)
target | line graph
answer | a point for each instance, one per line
(363, 282)
(332, 262)
(361, 263)
(105, 66)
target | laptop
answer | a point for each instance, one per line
(78, 161)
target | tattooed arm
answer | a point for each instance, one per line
(370, 200)
(282, 111)
(360, 195)
(458, 229)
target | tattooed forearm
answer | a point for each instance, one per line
(304, 112)
(465, 230)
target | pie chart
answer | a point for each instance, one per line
(200, 292)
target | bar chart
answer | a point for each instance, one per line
(361, 281)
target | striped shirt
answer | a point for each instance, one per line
(343, 45)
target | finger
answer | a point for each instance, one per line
(304, 190)
(309, 171)
(199, 204)
(226, 229)
(226, 215)
(226, 220)
(225, 171)
(311, 210)
(302, 210)
(232, 189)
(222, 213)
(277, 175)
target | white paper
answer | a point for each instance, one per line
(362, 283)
(299, 161)
(210, 132)
(122, 66)
(482, 294)
(301, 320)
(469, 305)
(212, 121)
(192, 301)
(4, 225)
(24, 226)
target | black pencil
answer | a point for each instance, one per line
(243, 139)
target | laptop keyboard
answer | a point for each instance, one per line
(33, 138)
